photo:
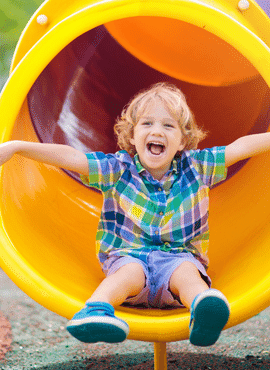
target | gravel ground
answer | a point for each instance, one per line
(40, 341)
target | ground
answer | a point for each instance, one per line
(31, 337)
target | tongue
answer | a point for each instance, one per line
(156, 149)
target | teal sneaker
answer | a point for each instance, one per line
(96, 323)
(209, 314)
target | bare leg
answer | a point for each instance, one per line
(186, 283)
(211, 310)
(96, 321)
(127, 281)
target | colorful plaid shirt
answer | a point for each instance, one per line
(141, 214)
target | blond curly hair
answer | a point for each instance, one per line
(173, 99)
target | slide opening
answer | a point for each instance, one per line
(77, 98)
(51, 219)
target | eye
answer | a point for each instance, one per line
(169, 125)
(146, 123)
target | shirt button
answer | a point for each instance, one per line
(167, 246)
(156, 232)
(159, 189)
(161, 213)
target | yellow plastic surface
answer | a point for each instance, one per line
(48, 220)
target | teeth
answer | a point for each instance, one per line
(156, 143)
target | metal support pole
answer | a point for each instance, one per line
(160, 356)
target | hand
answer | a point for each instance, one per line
(7, 150)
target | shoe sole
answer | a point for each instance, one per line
(210, 316)
(93, 330)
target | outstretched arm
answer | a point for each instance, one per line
(246, 147)
(58, 155)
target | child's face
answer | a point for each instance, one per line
(157, 138)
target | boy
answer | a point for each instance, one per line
(153, 232)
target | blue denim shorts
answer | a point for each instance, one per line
(158, 271)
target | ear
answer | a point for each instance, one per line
(182, 144)
(132, 141)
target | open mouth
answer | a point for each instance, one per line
(155, 148)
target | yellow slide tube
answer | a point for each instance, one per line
(219, 54)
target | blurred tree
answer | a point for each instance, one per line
(14, 15)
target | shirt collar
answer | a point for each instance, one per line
(140, 168)
(138, 164)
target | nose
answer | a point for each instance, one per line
(157, 129)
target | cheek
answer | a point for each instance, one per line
(176, 139)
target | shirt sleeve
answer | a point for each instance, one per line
(104, 171)
(210, 164)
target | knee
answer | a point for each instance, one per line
(185, 274)
(186, 270)
(132, 273)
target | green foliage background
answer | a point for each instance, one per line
(14, 15)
